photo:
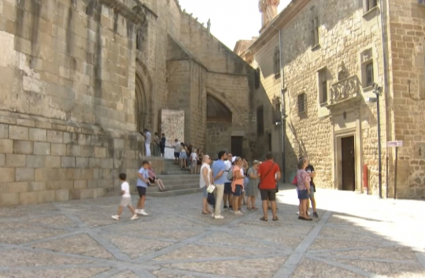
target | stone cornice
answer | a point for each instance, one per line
(124, 10)
(278, 23)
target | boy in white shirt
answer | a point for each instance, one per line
(125, 199)
(194, 161)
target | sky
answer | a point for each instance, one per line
(231, 20)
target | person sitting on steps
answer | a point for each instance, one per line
(153, 179)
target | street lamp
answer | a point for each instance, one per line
(377, 91)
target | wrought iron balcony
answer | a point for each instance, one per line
(344, 90)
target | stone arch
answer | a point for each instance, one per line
(220, 96)
(143, 92)
(217, 111)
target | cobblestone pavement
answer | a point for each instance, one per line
(355, 236)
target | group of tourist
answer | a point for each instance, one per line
(232, 183)
(187, 156)
(155, 147)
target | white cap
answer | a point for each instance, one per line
(234, 158)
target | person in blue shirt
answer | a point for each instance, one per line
(142, 184)
(219, 179)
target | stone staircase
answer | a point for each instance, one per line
(176, 181)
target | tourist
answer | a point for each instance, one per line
(177, 149)
(162, 144)
(219, 178)
(310, 170)
(200, 155)
(153, 179)
(125, 198)
(148, 138)
(268, 178)
(303, 187)
(237, 185)
(205, 179)
(244, 170)
(227, 197)
(194, 161)
(142, 184)
(155, 147)
(251, 190)
(183, 156)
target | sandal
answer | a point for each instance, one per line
(275, 218)
(254, 208)
(306, 219)
(263, 219)
(204, 212)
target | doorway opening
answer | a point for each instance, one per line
(236, 145)
(348, 176)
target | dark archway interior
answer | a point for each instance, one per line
(217, 111)
(141, 106)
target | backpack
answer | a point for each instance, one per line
(230, 174)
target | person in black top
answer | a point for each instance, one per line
(310, 170)
(162, 144)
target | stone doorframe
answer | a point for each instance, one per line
(337, 155)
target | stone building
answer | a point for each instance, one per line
(323, 62)
(81, 78)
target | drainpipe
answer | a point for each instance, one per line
(385, 87)
(282, 109)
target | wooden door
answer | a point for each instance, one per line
(236, 147)
(348, 168)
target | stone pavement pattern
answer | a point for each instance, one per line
(356, 236)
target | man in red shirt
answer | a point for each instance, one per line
(269, 173)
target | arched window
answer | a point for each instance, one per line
(217, 111)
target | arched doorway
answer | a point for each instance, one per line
(141, 104)
(143, 90)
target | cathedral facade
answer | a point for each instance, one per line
(81, 80)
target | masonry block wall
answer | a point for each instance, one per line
(407, 66)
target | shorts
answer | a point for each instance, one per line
(125, 201)
(183, 155)
(205, 192)
(176, 155)
(141, 190)
(312, 190)
(152, 180)
(303, 194)
(268, 194)
(238, 190)
(228, 188)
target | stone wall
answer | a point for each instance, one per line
(50, 160)
(342, 40)
(407, 99)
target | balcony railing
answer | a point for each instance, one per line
(344, 90)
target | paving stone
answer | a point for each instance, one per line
(311, 268)
(28, 258)
(74, 272)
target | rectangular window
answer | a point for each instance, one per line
(369, 4)
(323, 86)
(369, 75)
(368, 72)
(315, 32)
(260, 120)
(301, 104)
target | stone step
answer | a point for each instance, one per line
(174, 192)
(179, 178)
(175, 172)
(171, 187)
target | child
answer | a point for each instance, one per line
(142, 184)
(194, 160)
(125, 199)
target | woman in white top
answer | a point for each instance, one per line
(205, 179)
(193, 161)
